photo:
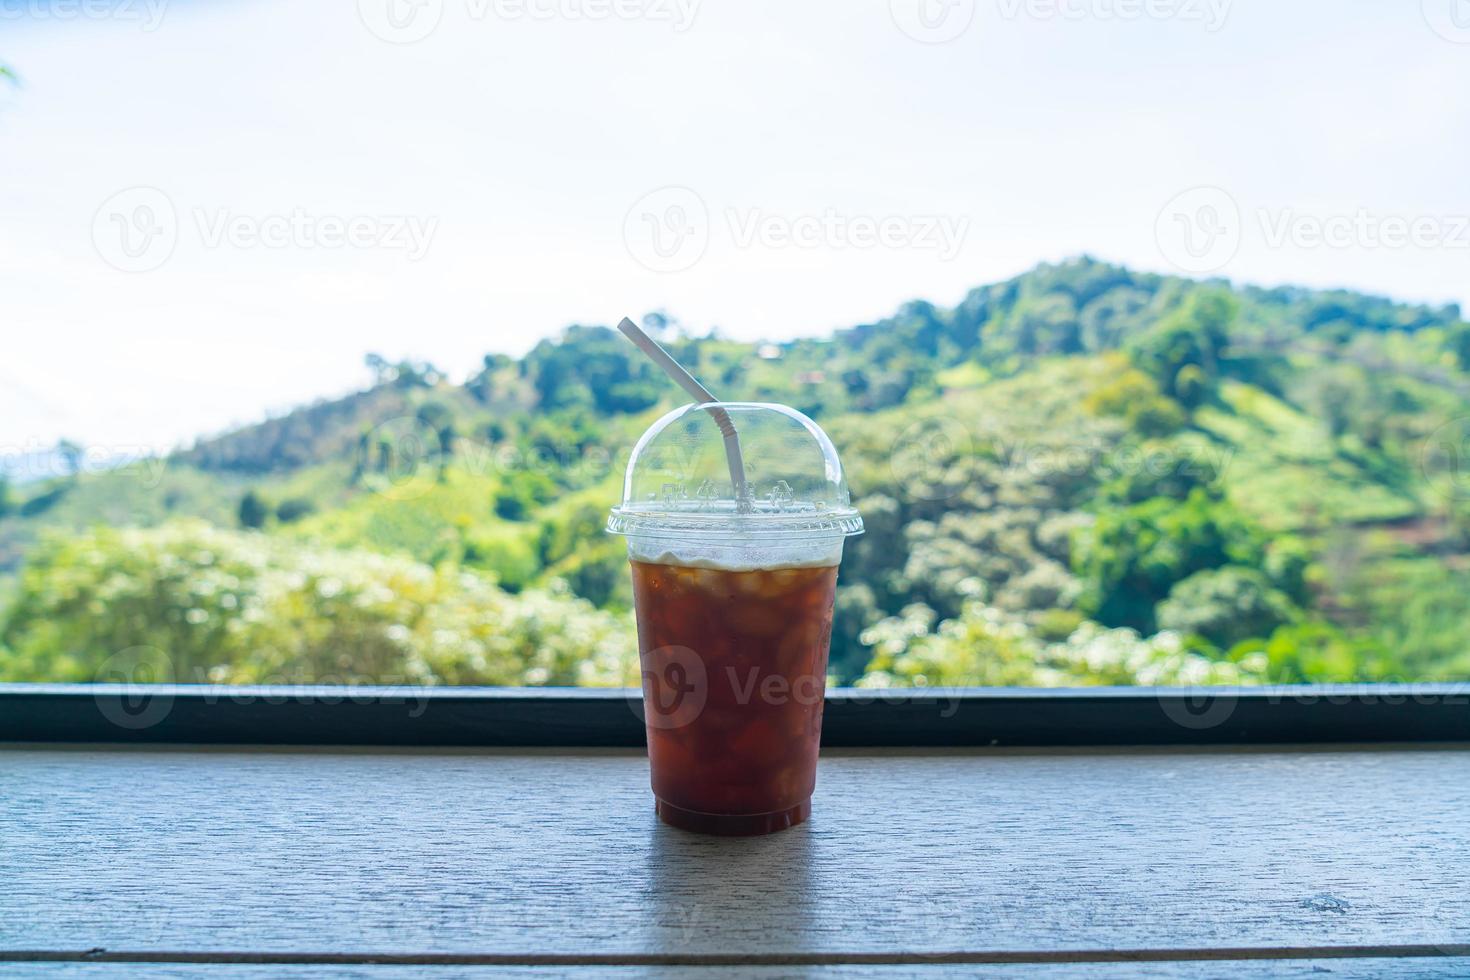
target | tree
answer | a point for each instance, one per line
(383, 372)
(438, 417)
(1225, 606)
(253, 510)
(1459, 344)
(225, 607)
(594, 367)
(987, 647)
(1131, 558)
(1136, 398)
(71, 456)
(293, 509)
(1194, 336)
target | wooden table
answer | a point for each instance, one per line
(125, 863)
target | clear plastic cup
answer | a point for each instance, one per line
(733, 593)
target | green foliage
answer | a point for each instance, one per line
(253, 510)
(1172, 471)
(1191, 385)
(1130, 559)
(224, 607)
(522, 493)
(1049, 472)
(1458, 342)
(1182, 352)
(293, 509)
(70, 454)
(1320, 653)
(47, 496)
(593, 367)
(1224, 606)
(985, 647)
(1137, 399)
(1415, 614)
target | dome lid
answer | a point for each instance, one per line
(679, 480)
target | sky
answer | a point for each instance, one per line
(212, 209)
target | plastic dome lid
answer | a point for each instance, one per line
(680, 484)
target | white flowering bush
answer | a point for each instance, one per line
(986, 646)
(229, 607)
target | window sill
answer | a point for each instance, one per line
(564, 717)
(1054, 863)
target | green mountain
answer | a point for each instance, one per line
(1081, 475)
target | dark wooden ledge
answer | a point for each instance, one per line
(428, 716)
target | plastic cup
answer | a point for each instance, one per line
(733, 595)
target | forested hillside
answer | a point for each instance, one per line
(1082, 475)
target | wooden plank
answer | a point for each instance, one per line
(1453, 968)
(540, 851)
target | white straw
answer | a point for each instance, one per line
(701, 394)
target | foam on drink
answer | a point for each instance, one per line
(737, 554)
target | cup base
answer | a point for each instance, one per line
(731, 824)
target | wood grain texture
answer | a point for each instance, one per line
(537, 851)
(1454, 968)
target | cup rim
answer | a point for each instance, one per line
(793, 523)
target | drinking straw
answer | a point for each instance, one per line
(701, 394)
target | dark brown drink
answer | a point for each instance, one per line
(734, 671)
